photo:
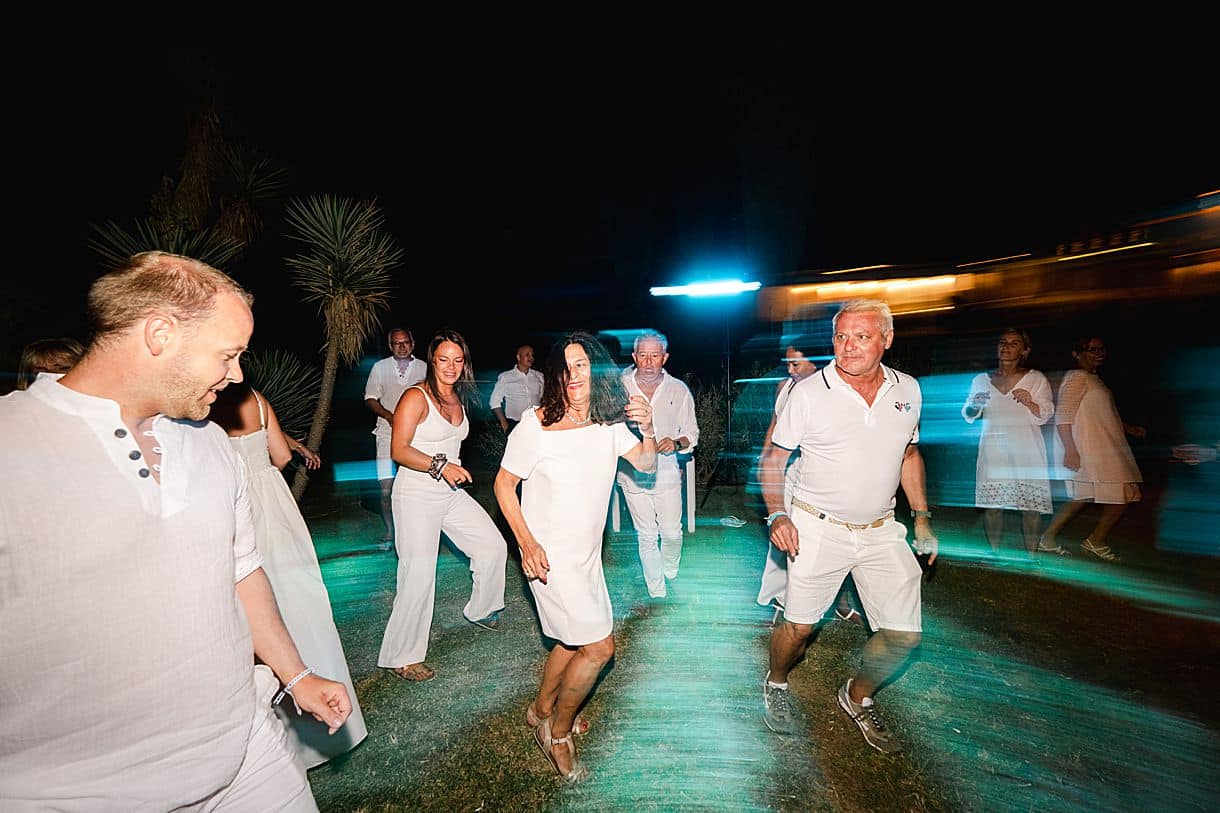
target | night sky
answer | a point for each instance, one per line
(567, 190)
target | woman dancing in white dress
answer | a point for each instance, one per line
(1014, 403)
(291, 563)
(567, 452)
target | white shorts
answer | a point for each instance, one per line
(883, 566)
(386, 467)
(1102, 493)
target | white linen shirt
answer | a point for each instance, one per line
(126, 663)
(851, 454)
(518, 391)
(387, 384)
(673, 416)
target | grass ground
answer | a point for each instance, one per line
(1069, 685)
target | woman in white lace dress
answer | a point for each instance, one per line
(1014, 402)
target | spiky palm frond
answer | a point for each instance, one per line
(346, 268)
(290, 384)
(251, 175)
(115, 244)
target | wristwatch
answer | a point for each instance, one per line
(924, 514)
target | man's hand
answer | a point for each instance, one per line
(325, 699)
(666, 445)
(785, 536)
(926, 542)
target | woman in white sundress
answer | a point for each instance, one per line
(1100, 466)
(1014, 403)
(290, 562)
(565, 454)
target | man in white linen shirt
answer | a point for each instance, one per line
(655, 498)
(128, 677)
(388, 380)
(516, 390)
(856, 423)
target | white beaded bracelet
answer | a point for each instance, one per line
(287, 690)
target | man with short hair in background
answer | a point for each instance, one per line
(516, 390)
(655, 498)
(388, 380)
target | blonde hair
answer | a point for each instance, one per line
(876, 306)
(187, 288)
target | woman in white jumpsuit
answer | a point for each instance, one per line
(567, 452)
(430, 423)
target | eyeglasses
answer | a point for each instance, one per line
(401, 344)
(1098, 349)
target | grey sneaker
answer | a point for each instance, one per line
(868, 719)
(779, 713)
(491, 622)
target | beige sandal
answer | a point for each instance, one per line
(416, 673)
(576, 770)
(580, 726)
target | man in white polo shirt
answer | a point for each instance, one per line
(856, 423)
(516, 390)
(132, 597)
(388, 380)
(655, 498)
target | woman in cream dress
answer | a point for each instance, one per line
(1101, 468)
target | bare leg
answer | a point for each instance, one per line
(884, 654)
(1109, 515)
(1061, 518)
(993, 523)
(552, 674)
(576, 676)
(788, 643)
(1031, 527)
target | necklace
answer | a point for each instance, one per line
(568, 415)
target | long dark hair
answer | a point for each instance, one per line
(607, 395)
(464, 387)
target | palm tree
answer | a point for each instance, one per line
(346, 270)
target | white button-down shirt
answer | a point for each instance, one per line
(387, 382)
(126, 663)
(673, 416)
(517, 392)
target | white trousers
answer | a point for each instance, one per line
(657, 516)
(272, 776)
(423, 509)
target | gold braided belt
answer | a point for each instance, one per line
(851, 526)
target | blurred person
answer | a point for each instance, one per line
(654, 498)
(564, 455)
(798, 362)
(516, 390)
(47, 357)
(133, 602)
(290, 561)
(1101, 467)
(388, 380)
(1014, 403)
(430, 424)
(856, 423)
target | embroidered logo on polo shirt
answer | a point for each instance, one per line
(902, 407)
